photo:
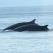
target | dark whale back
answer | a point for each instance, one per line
(31, 27)
(12, 27)
(44, 27)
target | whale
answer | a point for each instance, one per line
(12, 27)
(32, 27)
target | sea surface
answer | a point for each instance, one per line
(26, 42)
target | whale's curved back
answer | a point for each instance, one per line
(31, 27)
(19, 24)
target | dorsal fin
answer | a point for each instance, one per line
(33, 21)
